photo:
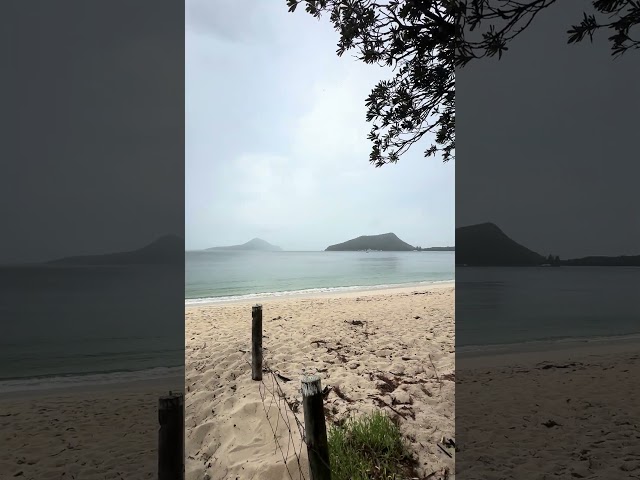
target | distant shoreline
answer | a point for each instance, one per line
(132, 381)
(538, 351)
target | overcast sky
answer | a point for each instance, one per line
(547, 141)
(276, 142)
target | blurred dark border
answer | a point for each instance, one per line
(92, 244)
(548, 258)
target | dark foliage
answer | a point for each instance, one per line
(602, 261)
(416, 39)
(424, 41)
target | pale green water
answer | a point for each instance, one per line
(224, 275)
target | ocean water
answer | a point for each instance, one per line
(219, 276)
(518, 307)
(65, 325)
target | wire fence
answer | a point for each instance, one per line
(272, 394)
(303, 457)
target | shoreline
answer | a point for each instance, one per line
(62, 385)
(321, 292)
(375, 350)
(535, 352)
(134, 384)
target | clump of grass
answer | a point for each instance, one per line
(369, 447)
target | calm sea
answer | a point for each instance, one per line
(511, 307)
(64, 325)
(223, 275)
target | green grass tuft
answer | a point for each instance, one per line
(369, 448)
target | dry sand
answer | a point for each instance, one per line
(562, 414)
(108, 431)
(394, 346)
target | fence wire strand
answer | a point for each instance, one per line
(274, 395)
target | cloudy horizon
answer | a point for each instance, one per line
(276, 143)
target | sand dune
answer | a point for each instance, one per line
(393, 347)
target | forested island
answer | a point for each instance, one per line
(386, 242)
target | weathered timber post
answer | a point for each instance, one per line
(256, 342)
(315, 428)
(171, 437)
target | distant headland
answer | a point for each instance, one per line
(486, 245)
(168, 249)
(386, 242)
(256, 244)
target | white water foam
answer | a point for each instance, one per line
(308, 291)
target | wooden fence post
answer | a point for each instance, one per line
(256, 342)
(171, 437)
(315, 428)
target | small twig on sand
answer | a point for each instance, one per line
(443, 474)
(325, 391)
(282, 377)
(387, 405)
(442, 448)
(551, 423)
(341, 394)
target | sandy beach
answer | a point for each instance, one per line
(559, 413)
(108, 431)
(391, 350)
